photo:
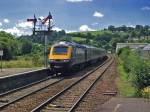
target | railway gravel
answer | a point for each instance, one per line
(67, 99)
(17, 94)
(28, 103)
(96, 95)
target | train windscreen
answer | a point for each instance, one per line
(60, 50)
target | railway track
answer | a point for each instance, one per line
(34, 97)
(13, 96)
(23, 87)
(69, 98)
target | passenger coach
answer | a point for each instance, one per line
(66, 55)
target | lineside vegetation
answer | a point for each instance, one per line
(134, 71)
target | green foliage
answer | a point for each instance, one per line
(108, 38)
(18, 64)
(105, 39)
(36, 59)
(9, 45)
(39, 38)
(137, 69)
(37, 48)
(14, 47)
(125, 87)
(26, 47)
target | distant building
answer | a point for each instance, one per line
(143, 49)
(145, 52)
(130, 45)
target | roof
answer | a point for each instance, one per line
(64, 43)
(69, 43)
(147, 48)
(132, 43)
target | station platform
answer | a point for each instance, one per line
(125, 105)
(11, 71)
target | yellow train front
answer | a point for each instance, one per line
(60, 56)
(66, 55)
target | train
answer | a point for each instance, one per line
(64, 55)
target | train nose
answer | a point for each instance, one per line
(58, 60)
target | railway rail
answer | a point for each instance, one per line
(35, 97)
(69, 98)
(23, 87)
(13, 96)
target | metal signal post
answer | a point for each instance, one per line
(45, 33)
(1, 55)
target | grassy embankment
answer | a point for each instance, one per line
(124, 85)
(24, 62)
(134, 74)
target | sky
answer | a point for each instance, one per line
(73, 15)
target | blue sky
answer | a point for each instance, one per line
(73, 15)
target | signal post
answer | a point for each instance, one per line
(45, 32)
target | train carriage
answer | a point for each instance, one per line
(66, 55)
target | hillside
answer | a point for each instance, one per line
(108, 38)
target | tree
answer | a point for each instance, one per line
(26, 47)
(138, 27)
(111, 28)
(6, 50)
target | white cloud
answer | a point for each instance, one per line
(79, 1)
(1, 24)
(95, 24)
(145, 8)
(24, 24)
(17, 31)
(41, 17)
(6, 20)
(70, 31)
(129, 24)
(85, 28)
(13, 31)
(56, 29)
(98, 14)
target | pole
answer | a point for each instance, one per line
(34, 24)
(45, 51)
(1, 64)
(49, 25)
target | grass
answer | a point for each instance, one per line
(19, 64)
(92, 32)
(78, 39)
(124, 85)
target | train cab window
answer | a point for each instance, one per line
(60, 50)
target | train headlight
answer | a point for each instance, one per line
(52, 60)
(66, 60)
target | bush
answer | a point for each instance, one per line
(36, 59)
(17, 64)
(136, 68)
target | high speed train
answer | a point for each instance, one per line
(67, 55)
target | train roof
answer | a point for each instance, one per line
(69, 44)
(74, 44)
